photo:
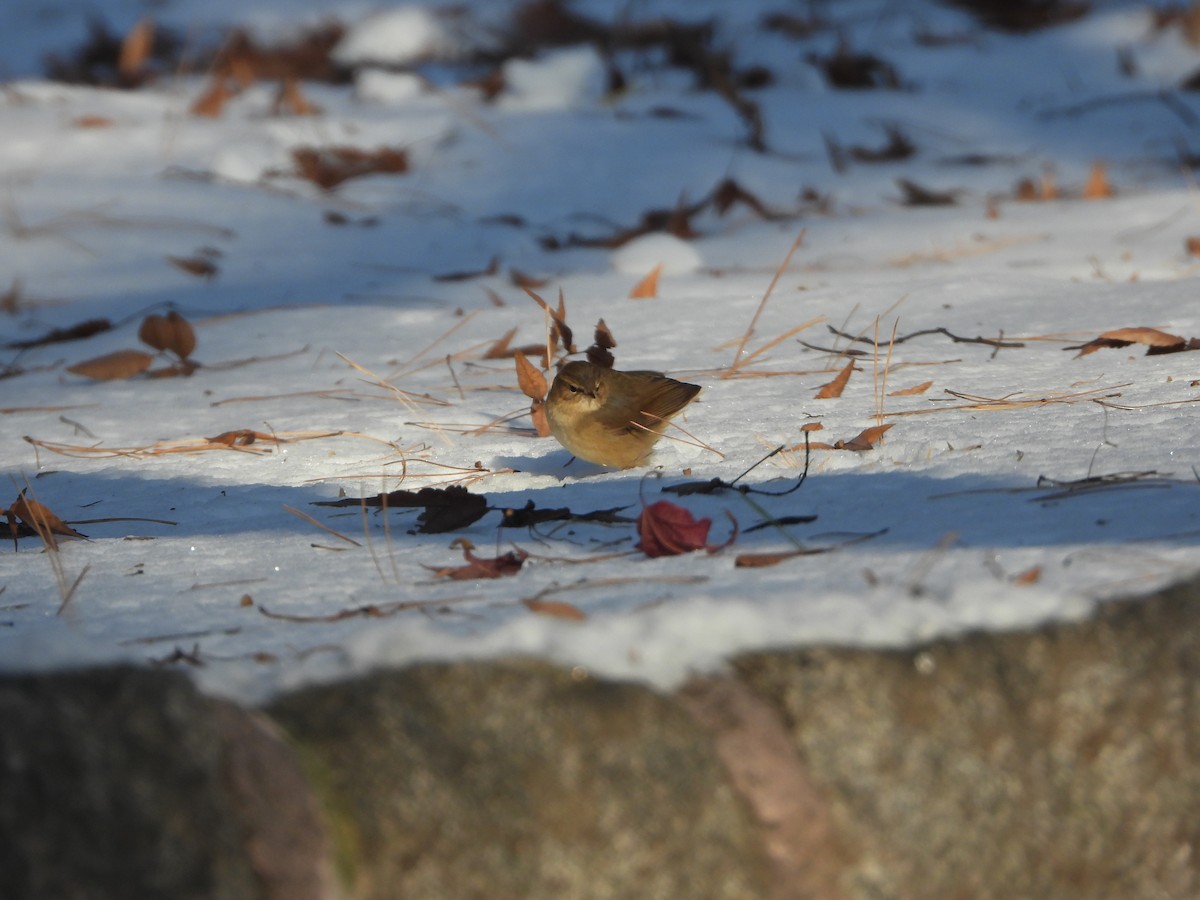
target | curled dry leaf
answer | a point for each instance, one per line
(478, 567)
(113, 366)
(37, 519)
(834, 388)
(865, 440)
(242, 437)
(667, 529)
(600, 353)
(648, 286)
(556, 608)
(560, 331)
(171, 332)
(1157, 341)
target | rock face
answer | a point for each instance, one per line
(516, 780)
(1058, 763)
(1063, 763)
(127, 783)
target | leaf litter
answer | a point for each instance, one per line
(671, 528)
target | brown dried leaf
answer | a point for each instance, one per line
(1029, 576)
(1098, 186)
(560, 332)
(834, 388)
(135, 49)
(38, 519)
(537, 412)
(479, 567)
(290, 100)
(648, 286)
(212, 102)
(1157, 341)
(493, 267)
(1192, 245)
(865, 440)
(500, 348)
(603, 337)
(93, 122)
(919, 195)
(327, 167)
(556, 608)
(812, 426)
(667, 529)
(113, 366)
(602, 343)
(80, 330)
(531, 381)
(170, 332)
(525, 280)
(912, 391)
(242, 437)
(200, 266)
(763, 560)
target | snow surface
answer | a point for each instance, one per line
(90, 215)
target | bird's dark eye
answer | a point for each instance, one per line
(574, 390)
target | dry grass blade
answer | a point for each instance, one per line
(38, 517)
(774, 342)
(1018, 400)
(694, 442)
(881, 383)
(406, 368)
(237, 441)
(307, 518)
(738, 362)
(558, 609)
(411, 401)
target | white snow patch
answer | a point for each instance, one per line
(562, 79)
(396, 37)
(639, 256)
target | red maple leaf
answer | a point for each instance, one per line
(666, 529)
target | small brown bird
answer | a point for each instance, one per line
(613, 418)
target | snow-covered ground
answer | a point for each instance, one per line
(1024, 483)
